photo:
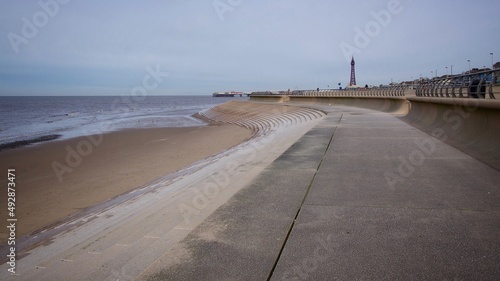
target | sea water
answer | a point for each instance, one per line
(25, 118)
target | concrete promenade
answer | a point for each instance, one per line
(361, 196)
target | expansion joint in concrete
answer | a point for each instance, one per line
(302, 203)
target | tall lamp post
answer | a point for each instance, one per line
(492, 64)
(469, 66)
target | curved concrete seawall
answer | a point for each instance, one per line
(394, 105)
(471, 125)
(391, 100)
(274, 98)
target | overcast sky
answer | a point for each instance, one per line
(112, 47)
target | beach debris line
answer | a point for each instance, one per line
(16, 144)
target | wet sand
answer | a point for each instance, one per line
(59, 178)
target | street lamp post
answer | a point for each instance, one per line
(469, 66)
(446, 70)
(492, 64)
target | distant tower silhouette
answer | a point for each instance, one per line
(353, 73)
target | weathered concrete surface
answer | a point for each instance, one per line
(394, 104)
(471, 125)
(439, 222)
(363, 196)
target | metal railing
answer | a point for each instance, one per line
(387, 91)
(479, 85)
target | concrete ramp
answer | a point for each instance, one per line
(471, 125)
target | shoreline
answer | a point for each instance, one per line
(59, 178)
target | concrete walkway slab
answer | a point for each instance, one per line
(365, 243)
(346, 183)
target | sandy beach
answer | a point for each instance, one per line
(58, 178)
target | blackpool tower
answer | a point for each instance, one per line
(353, 73)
